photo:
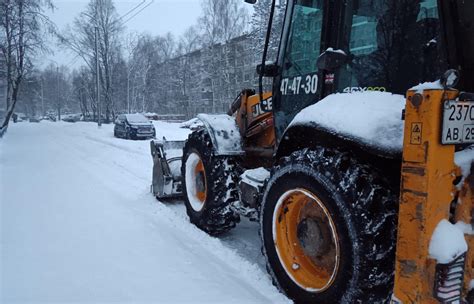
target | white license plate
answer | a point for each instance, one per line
(458, 122)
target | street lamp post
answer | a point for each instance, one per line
(42, 98)
(59, 97)
(96, 38)
(99, 121)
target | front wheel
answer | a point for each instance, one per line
(209, 185)
(328, 229)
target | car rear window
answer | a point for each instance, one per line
(137, 118)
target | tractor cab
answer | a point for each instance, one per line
(358, 46)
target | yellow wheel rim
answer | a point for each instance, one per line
(200, 180)
(196, 183)
(306, 240)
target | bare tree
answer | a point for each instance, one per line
(99, 21)
(23, 26)
(187, 44)
(84, 93)
(222, 20)
(131, 44)
(259, 25)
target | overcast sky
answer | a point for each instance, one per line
(160, 17)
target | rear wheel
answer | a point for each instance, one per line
(328, 229)
(209, 185)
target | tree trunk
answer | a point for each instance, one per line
(11, 109)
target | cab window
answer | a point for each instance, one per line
(394, 43)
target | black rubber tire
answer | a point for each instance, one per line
(364, 210)
(217, 215)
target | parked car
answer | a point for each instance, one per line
(133, 126)
(49, 117)
(71, 117)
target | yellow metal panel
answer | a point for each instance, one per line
(426, 193)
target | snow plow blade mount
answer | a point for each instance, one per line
(167, 180)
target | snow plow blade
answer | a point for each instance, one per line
(167, 180)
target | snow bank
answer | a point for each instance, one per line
(170, 131)
(374, 118)
(447, 242)
(226, 136)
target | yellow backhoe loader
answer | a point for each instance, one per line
(358, 163)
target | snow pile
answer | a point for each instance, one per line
(260, 173)
(373, 118)
(170, 131)
(436, 85)
(255, 177)
(465, 228)
(226, 137)
(447, 243)
(464, 160)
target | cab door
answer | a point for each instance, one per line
(298, 84)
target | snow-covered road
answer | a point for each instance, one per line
(78, 224)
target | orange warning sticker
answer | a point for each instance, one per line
(416, 135)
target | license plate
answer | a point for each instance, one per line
(458, 122)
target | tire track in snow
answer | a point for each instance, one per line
(232, 253)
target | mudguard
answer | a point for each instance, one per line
(224, 133)
(370, 121)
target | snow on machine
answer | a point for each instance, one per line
(363, 187)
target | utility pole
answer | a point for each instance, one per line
(99, 120)
(42, 97)
(97, 69)
(128, 91)
(59, 98)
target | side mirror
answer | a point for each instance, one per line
(267, 70)
(332, 59)
(250, 1)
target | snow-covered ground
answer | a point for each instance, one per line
(78, 224)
